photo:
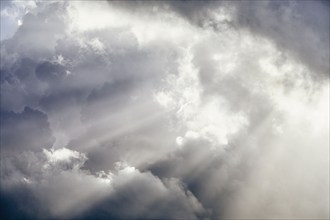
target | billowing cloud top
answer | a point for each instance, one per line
(164, 109)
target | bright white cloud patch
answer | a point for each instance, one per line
(165, 110)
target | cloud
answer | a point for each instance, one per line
(28, 130)
(293, 27)
(11, 16)
(50, 179)
(57, 175)
(166, 110)
(142, 195)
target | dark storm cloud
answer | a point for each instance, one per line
(50, 72)
(19, 85)
(50, 181)
(161, 200)
(28, 130)
(19, 204)
(198, 174)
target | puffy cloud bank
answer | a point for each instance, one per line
(164, 110)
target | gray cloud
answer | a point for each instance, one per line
(55, 173)
(160, 200)
(28, 130)
(294, 27)
(298, 27)
(178, 109)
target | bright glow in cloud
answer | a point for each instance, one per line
(171, 109)
(62, 155)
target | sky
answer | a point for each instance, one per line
(164, 110)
